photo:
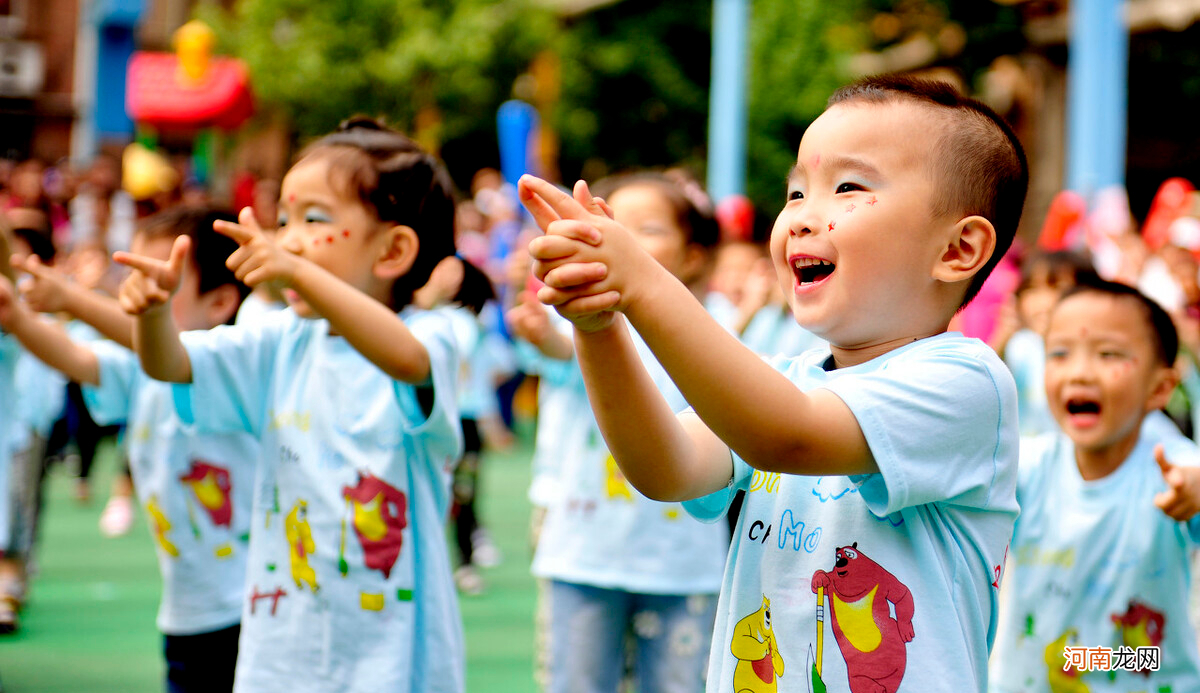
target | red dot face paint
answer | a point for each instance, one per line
(815, 161)
(292, 198)
(316, 241)
(329, 239)
(345, 233)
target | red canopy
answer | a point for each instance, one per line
(158, 93)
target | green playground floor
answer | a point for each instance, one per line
(89, 624)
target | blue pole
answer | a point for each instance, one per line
(727, 100)
(1097, 94)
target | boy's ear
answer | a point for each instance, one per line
(971, 245)
(1166, 380)
(695, 261)
(398, 254)
(221, 304)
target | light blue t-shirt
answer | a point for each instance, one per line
(1025, 355)
(773, 331)
(13, 429)
(1097, 564)
(349, 585)
(908, 559)
(195, 489)
(600, 531)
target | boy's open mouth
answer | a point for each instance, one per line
(1083, 413)
(810, 270)
(1082, 406)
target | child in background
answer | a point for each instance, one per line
(764, 321)
(1100, 553)
(348, 580)
(40, 392)
(621, 567)
(880, 474)
(11, 571)
(196, 489)
(1019, 337)
(467, 289)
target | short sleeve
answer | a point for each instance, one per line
(231, 371)
(440, 427)
(109, 401)
(941, 425)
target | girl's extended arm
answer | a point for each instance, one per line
(146, 294)
(371, 327)
(45, 340)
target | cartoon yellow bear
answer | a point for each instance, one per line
(1063, 678)
(759, 661)
(300, 545)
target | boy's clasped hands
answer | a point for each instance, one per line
(591, 265)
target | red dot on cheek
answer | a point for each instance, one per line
(316, 241)
(329, 239)
(291, 198)
(345, 233)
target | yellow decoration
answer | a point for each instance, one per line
(223, 551)
(370, 602)
(146, 173)
(194, 43)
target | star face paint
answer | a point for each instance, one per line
(850, 207)
(872, 201)
(832, 225)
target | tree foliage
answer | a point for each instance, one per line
(321, 60)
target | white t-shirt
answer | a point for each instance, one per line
(600, 531)
(196, 491)
(773, 331)
(908, 559)
(13, 429)
(1097, 564)
(349, 585)
(1025, 356)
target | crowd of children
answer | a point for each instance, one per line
(756, 467)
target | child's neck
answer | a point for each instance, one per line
(844, 356)
(1099, 463)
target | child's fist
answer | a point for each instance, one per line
(258, 258)
(152, 282)
(528, 319)
(45, 290)
(1181, 500)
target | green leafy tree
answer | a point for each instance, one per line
(798, 50)
(319, 61)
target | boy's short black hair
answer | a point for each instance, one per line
(1162, 328)
(978, 161)
(210, 249)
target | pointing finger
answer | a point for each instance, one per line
(1160, 456)
(563, 204)
(583, 196)
(179, 251)
(243, 234)
(145, 265)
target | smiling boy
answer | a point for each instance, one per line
(1100, 553)
(880, 473)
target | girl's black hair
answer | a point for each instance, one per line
(476, 289)
(398, 180)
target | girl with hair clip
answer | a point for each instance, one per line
(348, 580)
(622, 572)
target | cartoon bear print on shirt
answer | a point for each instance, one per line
(871, 641)
(1140, 626)
(300, 545)
(759, 662)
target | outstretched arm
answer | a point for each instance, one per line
(1181, 500)
(146, 294)
(370, 326)
(749, 405)
(47, 341)
(48, 291)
